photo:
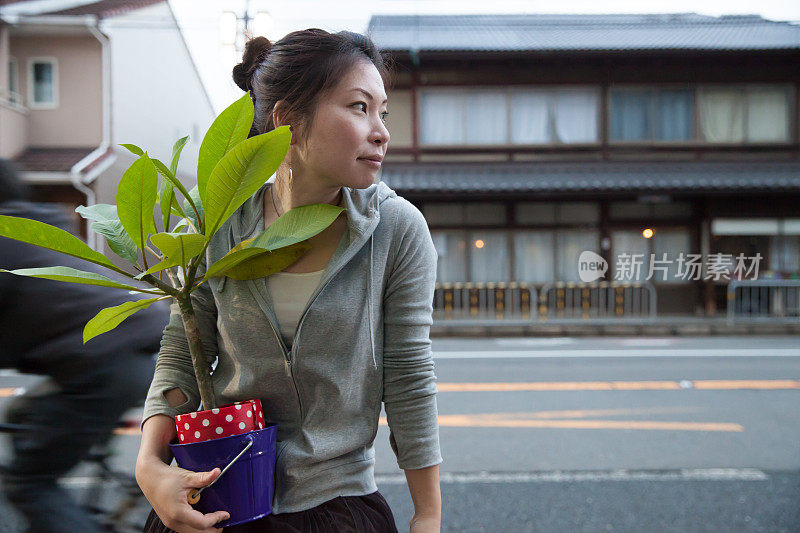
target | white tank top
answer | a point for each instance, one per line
(290, 292)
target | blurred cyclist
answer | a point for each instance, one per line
(41, 332)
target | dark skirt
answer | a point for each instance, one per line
(346, 514)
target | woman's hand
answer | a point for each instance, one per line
(166, 488)
(425, 524)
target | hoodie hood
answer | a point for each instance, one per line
(363, 214)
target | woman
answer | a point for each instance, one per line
(325, 341)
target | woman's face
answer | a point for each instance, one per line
(348, 126)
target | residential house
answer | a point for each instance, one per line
(528, 139)
(83, 77)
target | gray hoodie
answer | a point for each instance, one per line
(363, 339)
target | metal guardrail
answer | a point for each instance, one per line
(764, 301)
(465, 303)
(599, 300)
(481, 302)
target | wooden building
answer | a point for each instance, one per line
(526, 140)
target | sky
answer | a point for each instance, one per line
(200, 20)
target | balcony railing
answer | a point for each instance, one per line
(764, 301)
(515, 303)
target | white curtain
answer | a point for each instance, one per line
(530, 117)
(721, 115)
(569, 245)
(576, 115)
(451, 248)
(767, 115)
(488, 251)
(672, 243)
(633, 244)
(486, 117)
(534, 259)
(784, 254)
(442, 117)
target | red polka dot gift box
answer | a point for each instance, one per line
(231, 419)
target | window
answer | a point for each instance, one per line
(43, 83)
(671, 242)
(228, 28)
(488, 256)
(784, 254)
(563, 115)
(13, 82)
(481, 116)
(451, 248)
(569, 245)
(744, 114)
(630, 256)
(651, 114)
(463, 117)
(666, 246)
(263, 24)
(534, 260)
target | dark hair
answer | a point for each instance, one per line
(11, 186)
(298, 69)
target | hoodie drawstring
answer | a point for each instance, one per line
(369, 306)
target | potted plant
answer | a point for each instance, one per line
(230, 169)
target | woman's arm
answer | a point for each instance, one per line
(423, 484)
(409, 393)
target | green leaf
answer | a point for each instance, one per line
(296, 225)
(52, 238)
(177, 249)
(229, 129)
(177, 148)
(119, 241)
(166, 197)
(136, 200)
(133, 149)
(101, 212)
(108, 224)
(244, 253)
(194, 195)
(71, 275)
(240, 173)
(267, 262)
(111, 317)
(182, 224)
(168, 175)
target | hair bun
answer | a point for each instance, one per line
(255, 51)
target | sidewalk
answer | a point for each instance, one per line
(661, 326)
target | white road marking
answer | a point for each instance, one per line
(534, 341)
(648, 341)
(705, 474)
(560, 354)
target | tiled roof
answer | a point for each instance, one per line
(692, 176)
(561, 33)
(106, 8)
(51, 159)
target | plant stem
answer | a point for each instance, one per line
(161, 285)
(202, 369)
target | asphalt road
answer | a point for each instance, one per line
(600, 434)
